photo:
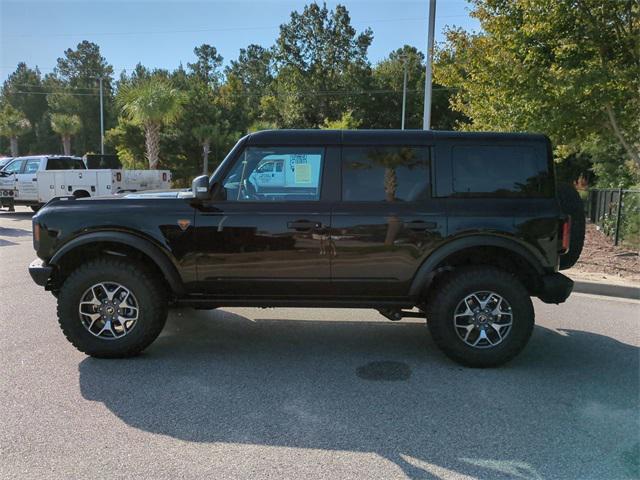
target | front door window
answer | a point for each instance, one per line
(271, 174)
(14, 167)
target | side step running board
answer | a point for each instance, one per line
(394, 315)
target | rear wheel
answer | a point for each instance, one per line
(480, 316)
(571, 204)
(35, 208)
(111, 308)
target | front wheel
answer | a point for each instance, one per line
(111, 308)
(480, 316)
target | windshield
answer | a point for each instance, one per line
(232, 153)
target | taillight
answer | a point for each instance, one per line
(118, 177)
(36, 235)
(566, 234)
(164, 177)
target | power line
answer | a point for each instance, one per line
(62, 88)
(275, 94)
(205, 30)
(54, 93)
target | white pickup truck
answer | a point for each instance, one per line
(33, 181)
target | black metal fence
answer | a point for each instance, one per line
(617, 212)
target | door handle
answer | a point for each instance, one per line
(418, 225)
(303, 225)
(34, 179)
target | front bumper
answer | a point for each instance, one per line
(6, 198)
(40, 272)
(555, 288)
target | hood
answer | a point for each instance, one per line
(144, 195)
(69, 202)
(7, 182)
(169, 193)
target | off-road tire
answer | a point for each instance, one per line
(148, 291)
(571, 204)
(442, 303)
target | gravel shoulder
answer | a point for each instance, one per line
(602, 261)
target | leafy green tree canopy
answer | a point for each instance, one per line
(568, 68)
(77, 74)
(207, 66)
(317, 54)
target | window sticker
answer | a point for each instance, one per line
(303, 173)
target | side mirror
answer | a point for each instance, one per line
(200, 187)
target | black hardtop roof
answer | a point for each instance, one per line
(382, 137)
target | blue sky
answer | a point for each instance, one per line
(163, 34)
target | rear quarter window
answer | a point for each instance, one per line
(65, 164)
(501, 171)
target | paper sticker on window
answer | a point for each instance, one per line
(303, 173)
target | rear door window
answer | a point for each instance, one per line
(32, 165)
(385, 174)
(500, 171)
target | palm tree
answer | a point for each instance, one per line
(66, 126)
(391, 159)
(205, 134)
(151, 103)
(13, 124)
(217, 136)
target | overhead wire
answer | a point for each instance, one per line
(219, 29)
(251, 94)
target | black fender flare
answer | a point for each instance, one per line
(427, 270)
(160, 258)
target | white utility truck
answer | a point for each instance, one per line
(36, 180)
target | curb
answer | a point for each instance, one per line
(606, 289)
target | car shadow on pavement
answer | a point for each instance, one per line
(14, 232)
(566, 407)
(16, 215)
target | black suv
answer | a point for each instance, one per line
(458, 228)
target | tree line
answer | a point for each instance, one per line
(566, 68)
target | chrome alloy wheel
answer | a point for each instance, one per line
(108, 310)
(483, 319)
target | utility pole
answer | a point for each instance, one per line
(404, 91)
(101, 119)
(426, 117)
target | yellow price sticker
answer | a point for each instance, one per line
(303, 173)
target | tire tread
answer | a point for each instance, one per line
(134, 269)
(437, 316)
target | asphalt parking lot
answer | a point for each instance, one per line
(316, 393)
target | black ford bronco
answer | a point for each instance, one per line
(458, 228)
